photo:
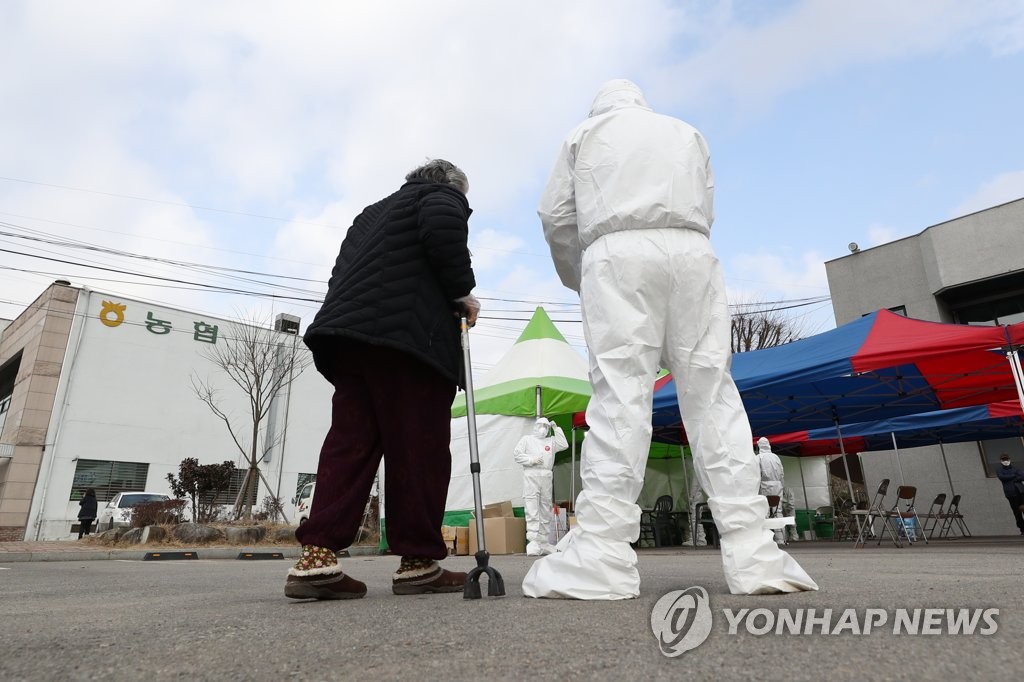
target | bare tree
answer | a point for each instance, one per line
(262, 362)
(754, 328)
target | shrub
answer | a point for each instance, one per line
(271, 509)
(156, 513)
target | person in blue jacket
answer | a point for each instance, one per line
(1013, 487)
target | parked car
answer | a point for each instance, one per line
(303, 502)
(118, 511)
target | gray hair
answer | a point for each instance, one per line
(444, 172)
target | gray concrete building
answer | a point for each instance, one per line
(969, 270)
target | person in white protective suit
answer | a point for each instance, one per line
(536, 453)
(788, 511)
(772, 477)
(627, 214)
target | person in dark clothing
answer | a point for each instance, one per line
(387, 338)
(86, 512)
(1012, 479)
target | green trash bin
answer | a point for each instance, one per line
(824, 528)
(804, 520)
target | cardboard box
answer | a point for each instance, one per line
(498, 510)
(505, 535)
(462, 539)
(449, 535)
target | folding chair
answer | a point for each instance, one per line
(899, 518)
(954, 517)
(865, 518)
(934, 515)
(843, 526)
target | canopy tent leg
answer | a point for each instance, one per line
(803, 483)
(1018, 374)
(572, 473)
(952, 490)
(686, 489)
(846, 466)
(899, 465)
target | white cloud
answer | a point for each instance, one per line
(999, 190)
(754, 66)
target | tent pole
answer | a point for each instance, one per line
(537, 408)
(849, 479)
(803, 483)
(686, 476)
(952, 491)
(1018, 374)
(572, 473)
(899, 464)
(846, 465)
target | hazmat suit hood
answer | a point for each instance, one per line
(763, 446)
(617, 94)
(540, 428)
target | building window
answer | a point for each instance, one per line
(108, 478)
(992, 449)
(8, 373)
(237, 478)
(998, 300)
(303, 480)
(5, 406)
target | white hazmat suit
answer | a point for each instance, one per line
(627, 213)
(536, 454)
(772, 477)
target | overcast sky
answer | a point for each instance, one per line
(249, 134)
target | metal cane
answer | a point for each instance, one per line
(495, 584)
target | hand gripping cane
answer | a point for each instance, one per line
(495, 584)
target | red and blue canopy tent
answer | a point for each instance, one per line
(878, 367)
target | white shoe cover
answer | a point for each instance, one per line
(539, 548)
(585, 567)
(752, 562)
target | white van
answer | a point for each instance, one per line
(303, 503)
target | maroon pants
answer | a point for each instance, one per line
(385, 402)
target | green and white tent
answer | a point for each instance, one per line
(505, 409)
(540, 357)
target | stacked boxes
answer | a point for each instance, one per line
(457, 539)
(503, 532)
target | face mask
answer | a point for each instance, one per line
(1005, 462)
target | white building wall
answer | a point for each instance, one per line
(127, 396)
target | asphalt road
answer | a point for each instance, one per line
(229, 620)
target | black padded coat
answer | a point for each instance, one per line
(401, 266)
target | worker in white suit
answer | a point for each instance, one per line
(627, 214)
(536, 453)
(772, 477)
